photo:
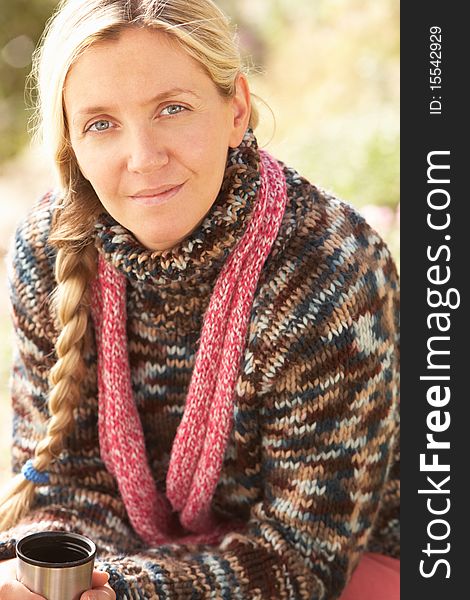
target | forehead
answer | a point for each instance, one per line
(129, 65)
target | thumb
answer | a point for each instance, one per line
(99, 593)
(99, 579)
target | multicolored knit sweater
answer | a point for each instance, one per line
(311, 467)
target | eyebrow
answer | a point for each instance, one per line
(91, 110)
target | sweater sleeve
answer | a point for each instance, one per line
(68, 502)
(324, 350)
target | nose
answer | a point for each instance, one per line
(145, 152)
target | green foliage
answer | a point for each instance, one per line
(22, 24)
(331, 76)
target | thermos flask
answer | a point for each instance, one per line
(56, 565)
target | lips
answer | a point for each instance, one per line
(156, 196)
(150, 192)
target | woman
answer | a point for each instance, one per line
(206, 375)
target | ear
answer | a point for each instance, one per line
(241, 106)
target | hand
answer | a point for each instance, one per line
(101, 590)
(10, 588)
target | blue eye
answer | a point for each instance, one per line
(101, 125)
(174, 109)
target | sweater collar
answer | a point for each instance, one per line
(200, 255)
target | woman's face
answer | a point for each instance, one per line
(151, 132)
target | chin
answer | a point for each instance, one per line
(164, 238)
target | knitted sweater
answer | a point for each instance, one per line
(311, 467)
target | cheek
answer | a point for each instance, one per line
(206, 154)
(96, 167)
(208, 143)
(84, 160)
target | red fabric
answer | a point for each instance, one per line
(376, 577)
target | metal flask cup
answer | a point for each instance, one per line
(56, 565)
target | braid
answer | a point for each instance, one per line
(73, 273)
(74, 270)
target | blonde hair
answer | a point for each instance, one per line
(204, 32)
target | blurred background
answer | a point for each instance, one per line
(328, 70)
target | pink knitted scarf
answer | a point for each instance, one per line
(201, 439)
